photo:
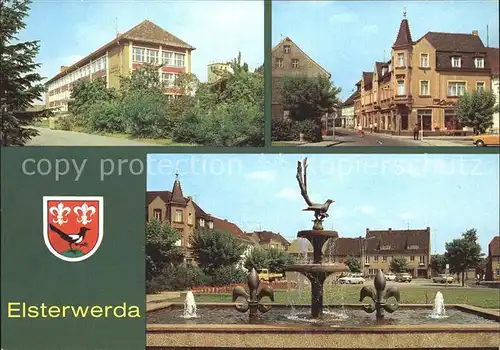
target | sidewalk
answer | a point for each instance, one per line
(440, 141)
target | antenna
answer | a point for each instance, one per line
(116, 25)
(407, 225)
(384, 56)
(487, 36)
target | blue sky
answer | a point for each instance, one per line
(69, 30)
(448, 193)
(347, 37)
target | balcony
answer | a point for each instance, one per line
(403, 99)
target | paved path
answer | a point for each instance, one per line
(50, 137)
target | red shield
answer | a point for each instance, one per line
(73, 226)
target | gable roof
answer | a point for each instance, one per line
(494, 60)
(345, 246)
(398, 240)
(404, 35)
(146, 31)
(494, 247)
(455, 42)
(350, 100)
(287, 39)
(267, 236)
(224, 225)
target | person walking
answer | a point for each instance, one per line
(371, 128)
(360, 131)
(416, 131)
(375, 127)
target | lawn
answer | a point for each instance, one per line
(481, 297)
(44, 123)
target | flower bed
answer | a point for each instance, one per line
(283, 285)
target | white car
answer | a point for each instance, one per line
(390, 276)
(352, 279)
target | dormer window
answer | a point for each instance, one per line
(211, 225)
(384, 70)
(456, 62)
(202, 223)
(286, 49)
(479, 62)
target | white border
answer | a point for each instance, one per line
(46, 199)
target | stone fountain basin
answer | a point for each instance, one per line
(313, 233)
(485, 333)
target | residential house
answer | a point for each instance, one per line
(423, 80)
(186, 216)
(146, 42)
(270, 240)
(494, 58)
(289, 60)
(493, 260)
(216, 70)
(347, 117)
(301, 250)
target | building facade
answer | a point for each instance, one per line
(270, 240)
(289, 60)
(216, 70)
(144, 43)
(422, 81)
(185, 216)
(494, 58)
(493, 261)
(348, 115)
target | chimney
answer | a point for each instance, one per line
(475, 32)
(428, 229)
(390, 229)
(63, 68)
(190, 198)
(367, 230)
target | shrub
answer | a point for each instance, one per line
(310, 129)
(225, 275)
(177, 277)
(284, 130)
(187, 129)
(64, 123)
(105, 116)
(145, 115)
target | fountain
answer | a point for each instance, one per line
(317, 272)
(378, 296)
(438, 311)
(253, 298)
(189, 306)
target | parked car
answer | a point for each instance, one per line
(490, 138)
(403, 277)
(390, 276)
(353, 278)
(443, 278)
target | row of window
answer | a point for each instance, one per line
(168, 58)
(168, 79)
(385, 258)
(179, 218)
(456, 61)
(60, 95)
(456, 88)
(279, 63)
(98, 65)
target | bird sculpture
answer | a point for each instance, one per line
(320, 210)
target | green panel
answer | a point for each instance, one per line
(267, 69)
(113, 275)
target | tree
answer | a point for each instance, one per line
(353, 263)
(464, 253)
(476, 110)
(278, 259)
(21, 84)
(257, 259)
(146, 78)
(438, 263)
(308, 97)
(161, 248)
(399, 264)
(216, 248)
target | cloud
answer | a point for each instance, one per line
(366, 209)
(261, 175)
(370, 29)
(288, 193)
(344, 18)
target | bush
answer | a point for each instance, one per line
(225, 275)
(177, 277)
(284, 130)
(187, 129)
(64, 123)
(105, 116)
(145, 115)
(311, 130)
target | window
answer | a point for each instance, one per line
(371, 271)
(179, 60)
(424, 88)
(498, 272)
(375, 258)
(190, 218)
(202, 223)
(210, 224)
(167, 58)
(401, 87)
(178, 216)
(151, 56)
(279, 63)
(384, 258)
(424, 60)
(422, 259)
(479, 62)
(450, 120)
(456, 88)
(168, 79)
(367, 259)
(138, 54)
(295, 63)
(480, 85)
(401, 59)
(424, 118)
(384, 70)
(456, 62)
(157, 214)
(287, 48)
(412, 258)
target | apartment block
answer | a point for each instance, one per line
(494, 58)
(423, 80)
(144, 43)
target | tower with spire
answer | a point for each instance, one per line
(402, 55)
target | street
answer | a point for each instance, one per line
(48, 137)
(349, 137)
